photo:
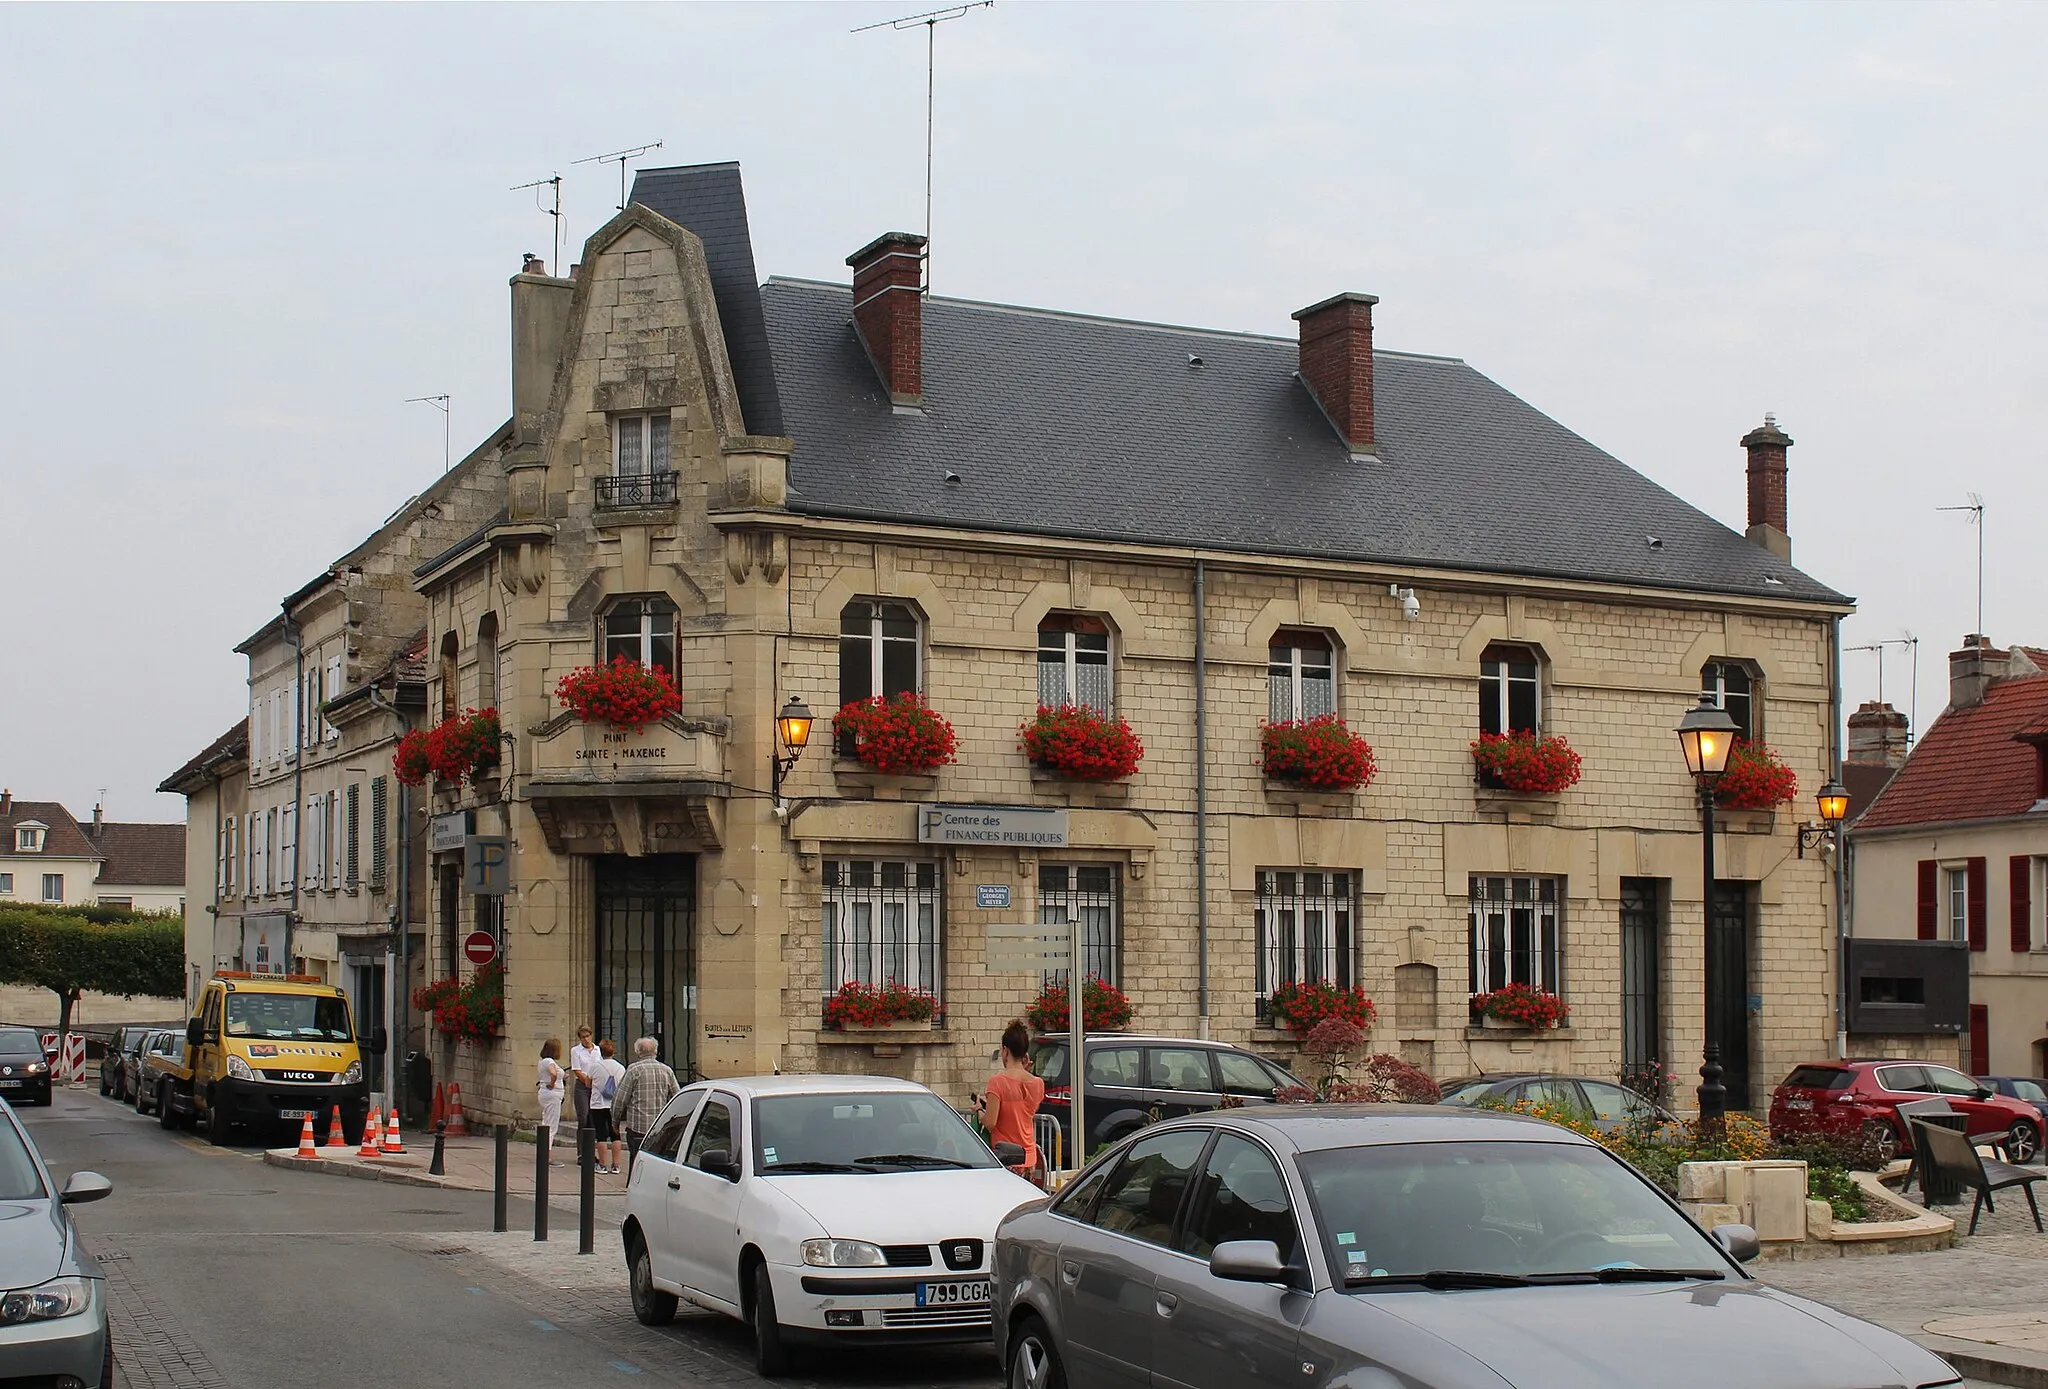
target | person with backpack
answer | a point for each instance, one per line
(604, 1088)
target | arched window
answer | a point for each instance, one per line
(879, 650)
(451, 692)
(1732, 685)
(1511, 690)
(1073, 662)
(487, 662)
(643, 630)
(1300, 676)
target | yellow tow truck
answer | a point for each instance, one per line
(266, 1050)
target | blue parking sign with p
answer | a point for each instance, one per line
(487, 865)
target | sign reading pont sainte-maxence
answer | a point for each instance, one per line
(991, 824)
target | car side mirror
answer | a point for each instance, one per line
(1985, 1093)
(84, 1187)
(380, 1040)
(193, 1033)
(1248, 1261)
(1009, 1154)
(1739, 1240)
(719, 1163)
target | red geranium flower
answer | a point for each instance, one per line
(1076, 741)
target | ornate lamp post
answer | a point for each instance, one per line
(1834, 807)
(1705, 734)
(793, 729)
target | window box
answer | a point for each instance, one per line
(883, 1042)
(1310, 800)
(1757, 779)
(1081, 743)
(862, 782)
(1746, 821)
(1526, 763)
(1493, 1029)
(897, 736)
(893, 1026)
(1080, 793)
(1518, 807)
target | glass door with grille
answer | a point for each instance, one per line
(646, 955)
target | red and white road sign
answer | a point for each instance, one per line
(479, 947)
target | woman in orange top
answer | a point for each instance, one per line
(1013, 1098)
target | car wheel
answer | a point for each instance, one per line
(105, 1089)
(141, 1098)
(219, 1132)
(1882, 1139)
(165, 1115)
(651, 1305)
(2023, 1143)
(771, 1352)
(107, 1364)
(1034, 1361)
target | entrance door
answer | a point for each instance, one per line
(647, 954)
(1642, 1026)
(1728, 985)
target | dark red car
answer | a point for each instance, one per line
(1848, 1098)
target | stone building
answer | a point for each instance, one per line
(791, 489)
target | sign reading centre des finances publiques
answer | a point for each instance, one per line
(1024, 827)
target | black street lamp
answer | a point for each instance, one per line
(793, 728)
(1706, 733)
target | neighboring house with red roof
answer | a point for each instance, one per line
(1956, 849)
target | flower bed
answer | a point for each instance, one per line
(472, 1011)
(898, 736)
(1525, 763)
(624, 694)
(1104, 1008)
(878, 1005)
(463, 746)
(1320, 753)
(1299, 1007)
(1077, 741)
(1522, 1005)
(1756, 779)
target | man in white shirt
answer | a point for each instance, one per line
(604, 1088)
(583, 1059)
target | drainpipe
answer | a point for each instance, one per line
(401, 914)
(296, 637)
(1841, 863)
(1201, 803)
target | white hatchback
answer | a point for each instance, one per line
(817, 1208)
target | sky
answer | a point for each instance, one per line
(242, 237)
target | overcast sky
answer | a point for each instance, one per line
(241, 237)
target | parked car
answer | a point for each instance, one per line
(113, 1063)
(163, 1047)
(24, 1068)
(1131, 1078)
(1608, 1105)
(2031, 1090)
(1428, 1247)
(816, 1209)
(1851, 1098)
(53, 1298)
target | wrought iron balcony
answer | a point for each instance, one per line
(637, 489)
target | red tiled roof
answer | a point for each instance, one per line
(230, 745)
(1969, 767)
(142, 855)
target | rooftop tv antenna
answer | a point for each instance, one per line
(1976, 510)
(931, 20)
(622, 156)
(1912, 644)
(439, 402)
(553, 181)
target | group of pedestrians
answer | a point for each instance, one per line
(618, 1103)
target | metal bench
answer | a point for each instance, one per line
(1953, 1158)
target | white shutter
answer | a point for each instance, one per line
(220, 859)
(333, 693)
(255, 731)
(288, 847)
(250, 836)
(276, 741)
(293, 723)
(316, 851)
(333, 840)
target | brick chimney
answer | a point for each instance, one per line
(1877, 735)
(6, 802)
(1336, 364)
(1974, 670)
(1766, 445)
(888, 312)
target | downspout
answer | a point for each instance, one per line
(1841, 863)
(213, 912)
(296, 638)
(1201, 803)
(401, 914)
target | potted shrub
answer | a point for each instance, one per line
(1104, 1008)
(1526, 763)
(1519, 1005)
(1756, 779)
(409, 760)
(1321, 754)
(1076, 741)
(897, 736)
(888, 1006)
(1298, 1007)
(1381, 1078)
(625, 694)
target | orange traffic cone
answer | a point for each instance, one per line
(392, 1144)
(457, 1127)
(439, 1111)
(369, 1148)
(335, 1137)
(306, 1148)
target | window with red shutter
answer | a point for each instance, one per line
(1980, 1039)
(2020, 882)
(1980, 915)
(1925, 915)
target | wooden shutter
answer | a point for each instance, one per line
(1926, 905)
(1980, 915)
(2019, 870)
(1980, 1039)
(351, 819)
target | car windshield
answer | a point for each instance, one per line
(21, 1044)
(2029, 1090)
(18, 1178)
(884, 1131)
(304, 1017)
(1395, 1211)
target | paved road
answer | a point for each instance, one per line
(226, 1273)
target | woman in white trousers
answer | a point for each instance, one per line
(550, 1088)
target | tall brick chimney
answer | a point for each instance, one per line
(1336, 364)
(1974, 670)
(1766, 445)
(1877, 735)
(888, 312)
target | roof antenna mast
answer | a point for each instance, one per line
(931, 20)
(1912, 644)
(551, 181)
(622, 156)
(439, 402)
(1976, 510)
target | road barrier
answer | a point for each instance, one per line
(71, 1066)
(458, 1127)
(306, 1148)
(394, 1146)
(586, 1158)
(501, 1176)
(543, 1140)
(438, 1167)
(335, 1137)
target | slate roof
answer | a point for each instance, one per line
(1968, 766)
(230, 745)
(141, 855)
(63, 837)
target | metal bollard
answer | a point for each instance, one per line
(586, 1158)
(438, 1167)
(501, 1176)
(541, 1137)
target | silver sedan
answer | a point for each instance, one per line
(53, 1300)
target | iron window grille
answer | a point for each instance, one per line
(643, 630)
(882, 922)
(1073, 662)
(1303, 918)
(1300, 676)
(1089, 893)
(637, 489)
(1732, 686)
(1517, 933)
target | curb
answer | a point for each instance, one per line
(362, 1172)
(2000, 1365)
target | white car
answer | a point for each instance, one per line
(849, 1209)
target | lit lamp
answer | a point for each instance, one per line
(1834, 808)
(1706, 734)
(793, 729)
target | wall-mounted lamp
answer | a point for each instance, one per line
(1411, 606)
(1834, 808)
(793, 731)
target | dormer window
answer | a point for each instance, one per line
(28, 837)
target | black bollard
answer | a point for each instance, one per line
(501, 1177)
(586, 1158)
(540, 1182)
(439, 1166)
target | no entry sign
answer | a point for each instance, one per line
(479, 947)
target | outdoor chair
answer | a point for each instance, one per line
(1942, 1114)
(1952, 1157)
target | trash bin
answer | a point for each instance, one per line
(419, 1086)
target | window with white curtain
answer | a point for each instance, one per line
(1073, 662)
(1300, 676)
(640, 444)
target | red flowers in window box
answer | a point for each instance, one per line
(877, 1005)
(625, 694)
(897, 736)
(1320, 753)
(1077, 741)
(1104, 1008)
(1522, 1004)
(463, 746)
(409, 760)
(1299, 1007)
(1756, 779)
(1523, 762)
(469, 1012)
